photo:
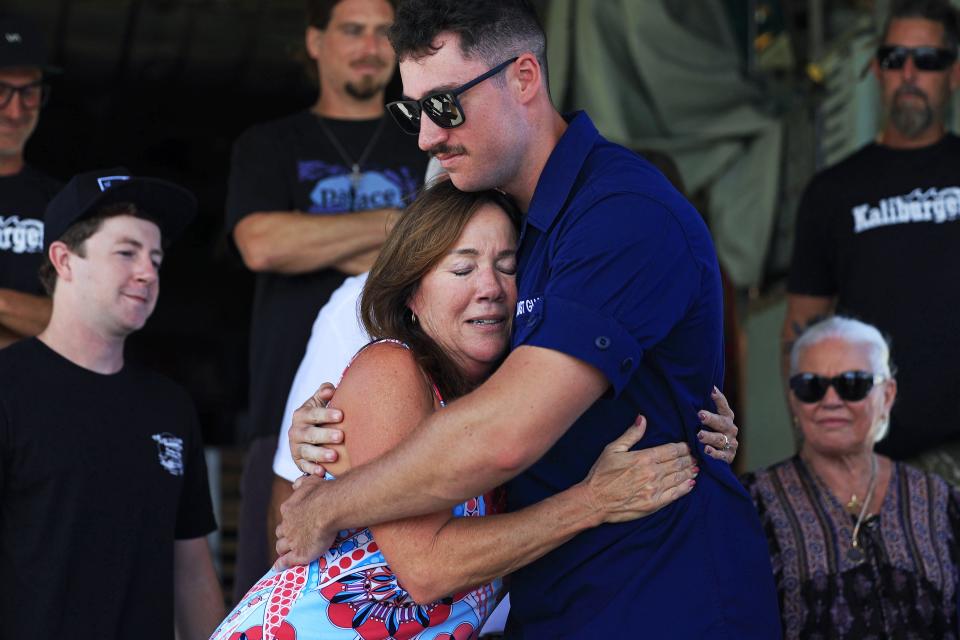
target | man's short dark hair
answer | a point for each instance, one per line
(491, 30)
(940, 11)
(76, 235)
(319, 12)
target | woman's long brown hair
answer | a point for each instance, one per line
(424, 235)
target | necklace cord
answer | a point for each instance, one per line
(355, 166)
(854, 539)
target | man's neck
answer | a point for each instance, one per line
(83, 345)
(11, 165)
(896, 140)
(544, 142)
(340, 106)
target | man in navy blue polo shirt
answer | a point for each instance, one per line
(619, 313)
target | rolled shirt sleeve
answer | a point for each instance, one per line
(616, 288)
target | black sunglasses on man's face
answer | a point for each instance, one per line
(442, 107)
(893, 57)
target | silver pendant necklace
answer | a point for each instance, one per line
(356, 174)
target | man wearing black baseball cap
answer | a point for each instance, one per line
(24, 191)
(103, 485)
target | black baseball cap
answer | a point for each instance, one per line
(172, 206)
(22, 44)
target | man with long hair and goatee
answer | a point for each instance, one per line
(310, 201)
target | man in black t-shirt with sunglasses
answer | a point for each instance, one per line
(877, 236)
(24, 191)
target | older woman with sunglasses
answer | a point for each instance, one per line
(861, 546)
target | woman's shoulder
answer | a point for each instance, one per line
(387, 368)
(384, 395)
(381, 356)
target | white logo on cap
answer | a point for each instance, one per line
(13, 37)
(107, 181)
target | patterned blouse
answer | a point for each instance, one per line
(901, 583)
(350, 593)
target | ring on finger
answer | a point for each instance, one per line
(726, 442)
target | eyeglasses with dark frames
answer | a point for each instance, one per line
(893, 57)
(442, 107)
(32, 96)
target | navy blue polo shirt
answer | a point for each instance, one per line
(618, 269)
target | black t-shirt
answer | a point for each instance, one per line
(881, 232)
(99, 474)
(290, 164)
(23, 199)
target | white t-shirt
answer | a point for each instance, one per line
(336, 336)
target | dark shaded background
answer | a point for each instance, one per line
(163, 87)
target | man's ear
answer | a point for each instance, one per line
(875, 68)
(61, 257)
(313, 41)
(527, 75)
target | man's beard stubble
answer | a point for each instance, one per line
(908, 118)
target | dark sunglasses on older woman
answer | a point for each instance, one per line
(924, 58)
(851, 386)
(442, 107)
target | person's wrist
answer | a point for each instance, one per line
(593, 514)
(328, 514)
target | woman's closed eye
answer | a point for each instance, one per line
(507, 266)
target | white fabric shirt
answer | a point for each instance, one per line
(336, 336)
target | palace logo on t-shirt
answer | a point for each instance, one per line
(930, 205)
(334, 190)
(21, 235)
(170, 452)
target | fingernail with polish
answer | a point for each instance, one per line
(702, 415)
(715, 390)
(700, 435)
(693, 483)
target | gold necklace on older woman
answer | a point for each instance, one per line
(854, 505)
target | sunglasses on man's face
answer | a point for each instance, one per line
(924, 58)
(442, 107)
(851, 386)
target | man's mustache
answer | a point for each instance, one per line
(446, 149)
(375, 61)
(909, 90)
